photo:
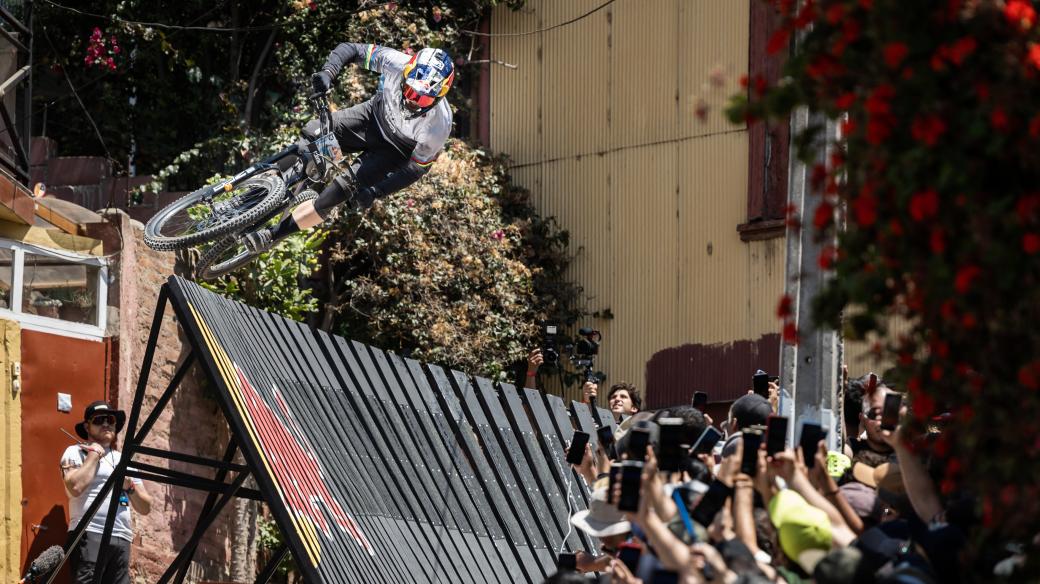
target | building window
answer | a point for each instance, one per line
(768, 145)
(52, 290)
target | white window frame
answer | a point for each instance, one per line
(35, 322)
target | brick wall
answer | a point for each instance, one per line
(192, 422)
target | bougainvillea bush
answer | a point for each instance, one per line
(933, 190)
(458, 269)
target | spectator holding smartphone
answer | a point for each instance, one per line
(623, 399)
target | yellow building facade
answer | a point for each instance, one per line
(600, 119)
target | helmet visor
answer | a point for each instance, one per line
(415, 99)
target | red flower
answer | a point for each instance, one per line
(864, 209)
(924, 205)
(1034, 126)
(937, 241)
(744, 81)
(790, 333)
(878, 101)
(968, 320)
(965, 275)
(1033, 56)
(961, 49)
(806, 15)
(824, 215)
(936, 372)
(895, 227)
(834, 13)
(828, 255)
(845, 101)
(894, 53)
(998, 118)
(848, 127)
(879, 128)
(928, 129)
(924, 404)
(1031, 243)
(778, 41)
(783, 308)
(1020, 13)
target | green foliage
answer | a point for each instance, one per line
(242, 92)
(457, 269)
(274, 280)
(269, 539)
(936, 172)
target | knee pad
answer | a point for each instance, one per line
(338, 191)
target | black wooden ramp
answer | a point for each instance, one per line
(383, 469)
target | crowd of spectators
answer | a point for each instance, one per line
(868, 511)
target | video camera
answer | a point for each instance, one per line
(581, 351)
(582, 354)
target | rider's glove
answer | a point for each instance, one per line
(321, 81)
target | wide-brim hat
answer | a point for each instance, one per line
(601, 519)
(99, 407)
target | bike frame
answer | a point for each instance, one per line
(324, 152)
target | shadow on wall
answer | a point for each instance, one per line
(51, 529)
(197, 427)
(722, 370)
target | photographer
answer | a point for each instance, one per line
(623, 399)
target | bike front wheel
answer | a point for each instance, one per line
(207, 214)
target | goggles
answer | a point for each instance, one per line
(416, 99)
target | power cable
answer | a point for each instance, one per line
(113, 18)
(516, 34)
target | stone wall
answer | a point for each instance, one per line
(192, 422)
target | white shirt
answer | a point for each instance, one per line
(73, 458)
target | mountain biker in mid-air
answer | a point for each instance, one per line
(400, 131)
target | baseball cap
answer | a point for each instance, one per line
(751, 409)
(803, 530)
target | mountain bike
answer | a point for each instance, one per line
(219, 214)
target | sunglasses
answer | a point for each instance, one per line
(106, 419)
(416, 99)
(873, 414)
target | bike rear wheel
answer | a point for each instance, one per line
(230, 253)
(206, 215)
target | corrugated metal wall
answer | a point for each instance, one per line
(599, 121)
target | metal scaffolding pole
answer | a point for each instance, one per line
(810, 370)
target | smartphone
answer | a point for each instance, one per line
(749, 462)
(809, 441)
(576, 451)
(760, 383)
(631, 480)
(629, 554)
(662, 576)
(612, 478)
(776, 434)
(700, 399)
(669, 444)
(567, 561)
(890, 411)
(711, 502)
(606, 441)
(638, 440)
(707, 440)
